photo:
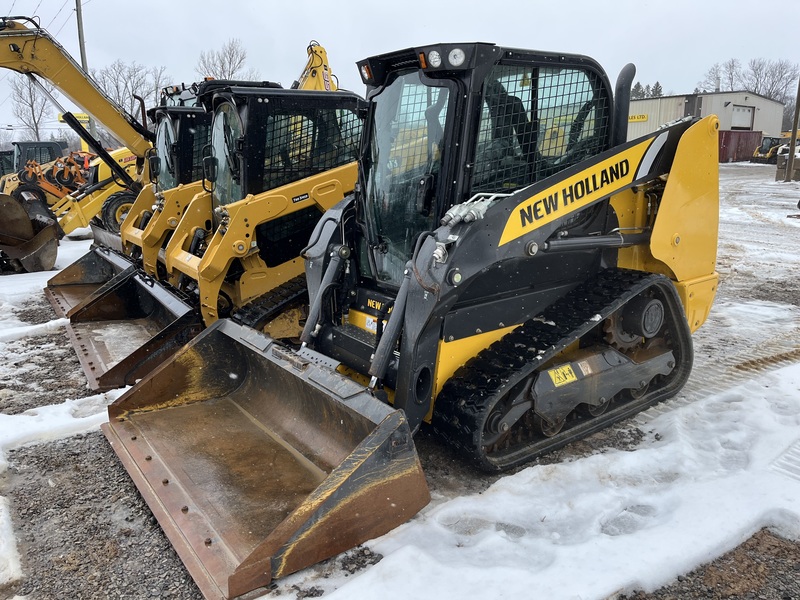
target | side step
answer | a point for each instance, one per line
(258, 462)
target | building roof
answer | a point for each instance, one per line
(711, 94)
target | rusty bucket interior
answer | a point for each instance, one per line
(128, 328)
(258, 463)
(31, 242)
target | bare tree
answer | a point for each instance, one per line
(123, 81)
(6, 137)
(774, 79)
(159, 80)
(226, 63)
(30, 107)
(712, 79)
(731, 75)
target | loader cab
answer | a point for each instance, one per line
(263, 139)
(449, 122)
(266, 138)
(181, 134)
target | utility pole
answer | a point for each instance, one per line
(793, 142)
(78, 10)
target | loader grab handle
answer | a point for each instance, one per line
(383, 352)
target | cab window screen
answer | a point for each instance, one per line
(536, 122)
(302, 144)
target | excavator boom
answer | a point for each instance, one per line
(28, 49)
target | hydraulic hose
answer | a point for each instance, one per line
(339, 255)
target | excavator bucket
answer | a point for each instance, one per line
(127, 327)
(29, 243)
(258, 463)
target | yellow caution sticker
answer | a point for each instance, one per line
(562, 375)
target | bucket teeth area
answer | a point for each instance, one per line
(256, 469)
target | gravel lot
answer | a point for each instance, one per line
(84, 532)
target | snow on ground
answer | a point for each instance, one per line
(712, 469)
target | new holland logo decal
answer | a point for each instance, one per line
(575, 192)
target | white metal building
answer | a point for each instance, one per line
(737, 111)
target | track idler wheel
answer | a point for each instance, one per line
(547, 428)
(643, 316)
(595, 410)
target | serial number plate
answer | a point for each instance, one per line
(562, 375)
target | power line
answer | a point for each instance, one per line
(67, 20)
(58, 13)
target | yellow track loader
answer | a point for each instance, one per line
(516, 299)
(30, 50)
(182, 131)
(277, 160)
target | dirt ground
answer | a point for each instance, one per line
(84, 531)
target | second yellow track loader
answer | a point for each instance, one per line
(278, 159)
(175, 165)
(182, 131)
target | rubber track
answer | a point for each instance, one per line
(461, 405)
(257, 313)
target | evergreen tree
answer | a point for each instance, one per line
(656, 91)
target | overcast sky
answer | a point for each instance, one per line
(670, 41)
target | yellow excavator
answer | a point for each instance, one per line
(277, 159)
(28, 49)
(515, 299)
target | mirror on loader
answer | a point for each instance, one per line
(535, 299)
(290, 155)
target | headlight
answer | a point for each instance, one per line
(366, 74)
(456, 57)
(434, 59)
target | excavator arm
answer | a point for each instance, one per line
(317, 74)
(28, 49)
